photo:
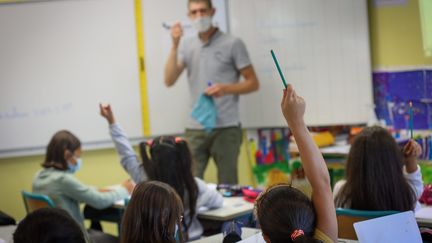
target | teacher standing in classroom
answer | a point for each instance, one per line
(214, 62)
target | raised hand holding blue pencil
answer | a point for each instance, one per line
(278, 68)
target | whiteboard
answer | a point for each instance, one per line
(323, 49)
(58, 60)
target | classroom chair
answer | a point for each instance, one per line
(347, 217)
(34, 201)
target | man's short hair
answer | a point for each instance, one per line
(208, 2)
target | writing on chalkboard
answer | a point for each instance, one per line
(281, 23)
(16, 112)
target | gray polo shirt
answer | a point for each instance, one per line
(218, 61)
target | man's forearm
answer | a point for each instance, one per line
(172, 70)
(243, 87)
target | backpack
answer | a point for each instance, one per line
(426, 196)
(6, 219)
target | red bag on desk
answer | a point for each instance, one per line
(250, 194)
(426, 196)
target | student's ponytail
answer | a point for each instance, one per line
(185, 159)
(305, 239)
(286, 215)
(148, 165)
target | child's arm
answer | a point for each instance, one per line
(207, 197)
(412, 150)
(293, 109)
(129, 160)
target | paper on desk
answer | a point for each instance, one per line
(424, 213)
(341, 149)
(257, 238)
(400, 227)
(203, 209)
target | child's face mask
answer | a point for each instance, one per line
(73, 168)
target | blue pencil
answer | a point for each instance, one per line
(411, 119)
(278, 68)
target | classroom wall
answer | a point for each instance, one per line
(390, 44)
(396, 38)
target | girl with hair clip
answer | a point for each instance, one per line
(284, 213)
(379, 175)
(153, 215)
(170, 161)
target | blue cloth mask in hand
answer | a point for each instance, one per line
(205, 112)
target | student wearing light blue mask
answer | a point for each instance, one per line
(74, 166)
(57, 180)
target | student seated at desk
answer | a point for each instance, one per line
(57, 179)
(284, 213)
(170, 161)
(51, 225)
(379, 175)
(153, 215)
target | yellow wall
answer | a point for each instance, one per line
(396, 38)
(100, 168)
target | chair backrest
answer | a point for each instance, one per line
(34, 201)
(347, 217)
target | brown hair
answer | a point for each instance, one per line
(171, 163)
(207, 2)
(53, 225)
(281, 210)
(61, 141)
(374, 177)
(152, 214)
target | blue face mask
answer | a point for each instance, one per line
(72, 168)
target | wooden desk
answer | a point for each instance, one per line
(233, 207)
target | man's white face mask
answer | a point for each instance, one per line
(202, 24)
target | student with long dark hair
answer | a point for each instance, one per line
(379, 175)
(284, 213)
(169, 161)
(153, 215)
